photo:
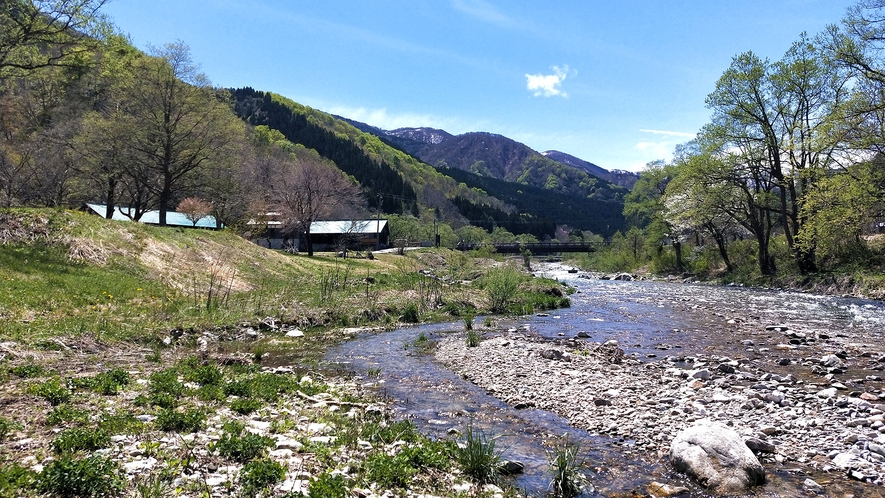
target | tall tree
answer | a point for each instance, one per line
(35, 34)
(306, 188)
(645, 206)
(182, 124)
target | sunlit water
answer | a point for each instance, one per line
(648, 319)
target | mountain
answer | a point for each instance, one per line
(499, 157)
(618, 177)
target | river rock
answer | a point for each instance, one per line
(717, 458)
(665, 490)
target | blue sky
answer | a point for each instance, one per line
(617, 83)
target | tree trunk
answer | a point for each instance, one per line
(309, 243)
(111, 200)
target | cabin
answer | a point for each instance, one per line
(350, 234)
(173, 218)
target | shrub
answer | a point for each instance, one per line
(93, 476)
(411, 314)
(205, 375)
(15, 478)
(110, 382)
(7, 426)
(67, 413)
(328, 486)
(28, 371)
(258, 475)
(478, 458)
(121, 423)
(166, 382)
(245, 406)
(390, 471)
(501, 285)
(173, 421)
(77, 439)
(241, 446)
(53, 392)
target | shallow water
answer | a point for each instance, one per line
(649, 320)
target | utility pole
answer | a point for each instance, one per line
(378, 225)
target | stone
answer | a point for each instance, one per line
(717, 458)
(759, 446)
(511, 467)
(831, 360)
(295, 333)
(665, 490)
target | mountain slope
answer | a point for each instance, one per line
(621, 178)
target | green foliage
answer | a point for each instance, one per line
(77, 439)
(411, 314)
(6, 427)
(67, 413)
(205, 375)
(328, 485)
(239, 445)
(28, 371)
(245, 406)
(501, 285)
(478, 457)
(564, 466)
(52, 391)
(191, 420)
(94, 476)
(390, 471)
(121, 423)
(14, 479)
(473, 338)
(258, 475)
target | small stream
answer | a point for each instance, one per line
(648, 319)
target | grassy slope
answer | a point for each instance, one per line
(67, 273)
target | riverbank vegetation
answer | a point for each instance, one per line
(786, 184)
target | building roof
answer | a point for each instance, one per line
(173, 218)
(347, 226)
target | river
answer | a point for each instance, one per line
(650, 321)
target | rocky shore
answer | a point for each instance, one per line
(825, 419)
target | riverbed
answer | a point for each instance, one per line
(632, 363)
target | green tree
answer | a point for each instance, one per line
(645, 207)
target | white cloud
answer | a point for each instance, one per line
(548, 85)
(385, 120)
(484, 11)
(681, 134)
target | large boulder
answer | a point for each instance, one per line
(717, 458)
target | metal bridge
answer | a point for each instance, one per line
(533, 247)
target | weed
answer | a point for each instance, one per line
(52, 391)
(155, 356)
(7, 426)
(241, 446)
(28, 371)
(410, 314)
(211, 393)
(76, 439)
(166, 382)
(245, 406)
(259, 475)
(14, 479)
(92, 476)
(473, 338)
(328, 485)
(241, 388)
(564, 465)
(501, 285)
(173, 421)
(121, 423)
(390, 471)
(152, 486)
(205, 375)
(478, 457)
(373, 372)
(109, 383)
(468, 322)
(67, 413)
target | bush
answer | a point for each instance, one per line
(239, 445)
(93, 476)
(67, 413)
(121, 423)
(501, 285)
(77, 439)
(411, 314)
(28, 371)
(478, 458)
(245, 406)
(328, 486)
(172, 421)
(258, 475)
(53, 392)
(14, 479)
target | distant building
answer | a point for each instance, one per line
(352, 234)
(173, 218)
